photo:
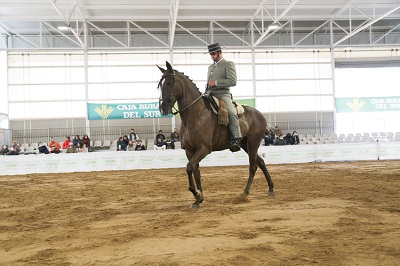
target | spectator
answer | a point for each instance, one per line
(280, 141)
(14, 149)
(277, 131)
(43, 148)
(160, 144)
(121, 146)
(289, 139)
(133, 136)
(76, 140)
(296, 139)
(81, 147)
(126, 140)
(71, 148)
(160, 135)
(66, 142)
(4, 150)
(131, 146)
(269, 138)
(140, 146)
(175, 135)
(86, 141)
(54, 146)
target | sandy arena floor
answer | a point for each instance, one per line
(323, 214)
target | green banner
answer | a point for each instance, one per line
(250, 102)
(98, 111)
(370, 104)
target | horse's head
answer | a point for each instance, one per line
(169, 90)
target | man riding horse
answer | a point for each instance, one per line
(221, 76)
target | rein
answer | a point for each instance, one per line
(170, 104)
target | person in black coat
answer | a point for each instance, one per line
(4, 150)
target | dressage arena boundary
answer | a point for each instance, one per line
(151, 159)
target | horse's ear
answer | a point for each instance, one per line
(169, 67)
(161, 69)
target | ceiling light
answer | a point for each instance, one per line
(62, 28)
(273, 26)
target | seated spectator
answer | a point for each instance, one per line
(160, 135)
(169, 144)
(14, 149)
(131, 146)
(86, 141)
(296, 139)
(280, 141)
(54, 146)
(277, 131)
(160, 144)
(133, 136)
(140, 146)
(288, 138)
(76, 140)
(174, 137)
(121, 146)
(42, 148)
(81, 148)
(4, 150)
(126, 140)
(71, 148)
(268, 139)
(66, 142)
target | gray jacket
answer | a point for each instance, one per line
(224, 72)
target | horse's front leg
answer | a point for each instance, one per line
(193, 170)
(195, 189)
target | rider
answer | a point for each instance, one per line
(220, 77)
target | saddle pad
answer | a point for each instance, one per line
(239, 108)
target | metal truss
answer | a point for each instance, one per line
(350, 23)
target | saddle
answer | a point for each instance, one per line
(219, 108)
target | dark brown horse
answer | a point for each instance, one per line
(200, 133)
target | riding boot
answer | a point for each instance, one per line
(234, 145)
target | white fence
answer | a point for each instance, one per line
(152, 159)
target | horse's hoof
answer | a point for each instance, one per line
(271, 194)
(195, 206)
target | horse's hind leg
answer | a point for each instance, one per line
(252, 153)
(255, 160)
(261, 164)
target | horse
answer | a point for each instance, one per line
(200, 132)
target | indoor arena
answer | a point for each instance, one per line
(114, 152)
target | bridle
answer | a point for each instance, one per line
(169, 102)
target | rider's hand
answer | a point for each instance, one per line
(207, 93)
(212, 83)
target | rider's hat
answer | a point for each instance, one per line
(215, 47)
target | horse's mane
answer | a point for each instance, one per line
(186, 77)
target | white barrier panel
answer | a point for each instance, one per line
(151, 159)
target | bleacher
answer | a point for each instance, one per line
(305, 139)
(316, 139)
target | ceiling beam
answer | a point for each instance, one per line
(155, 37)
(233, 34)
(191, 33)
(23, 39)
(262, 37)
(366, 26)
(115, 39)
(66, 21)
(173, 16)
